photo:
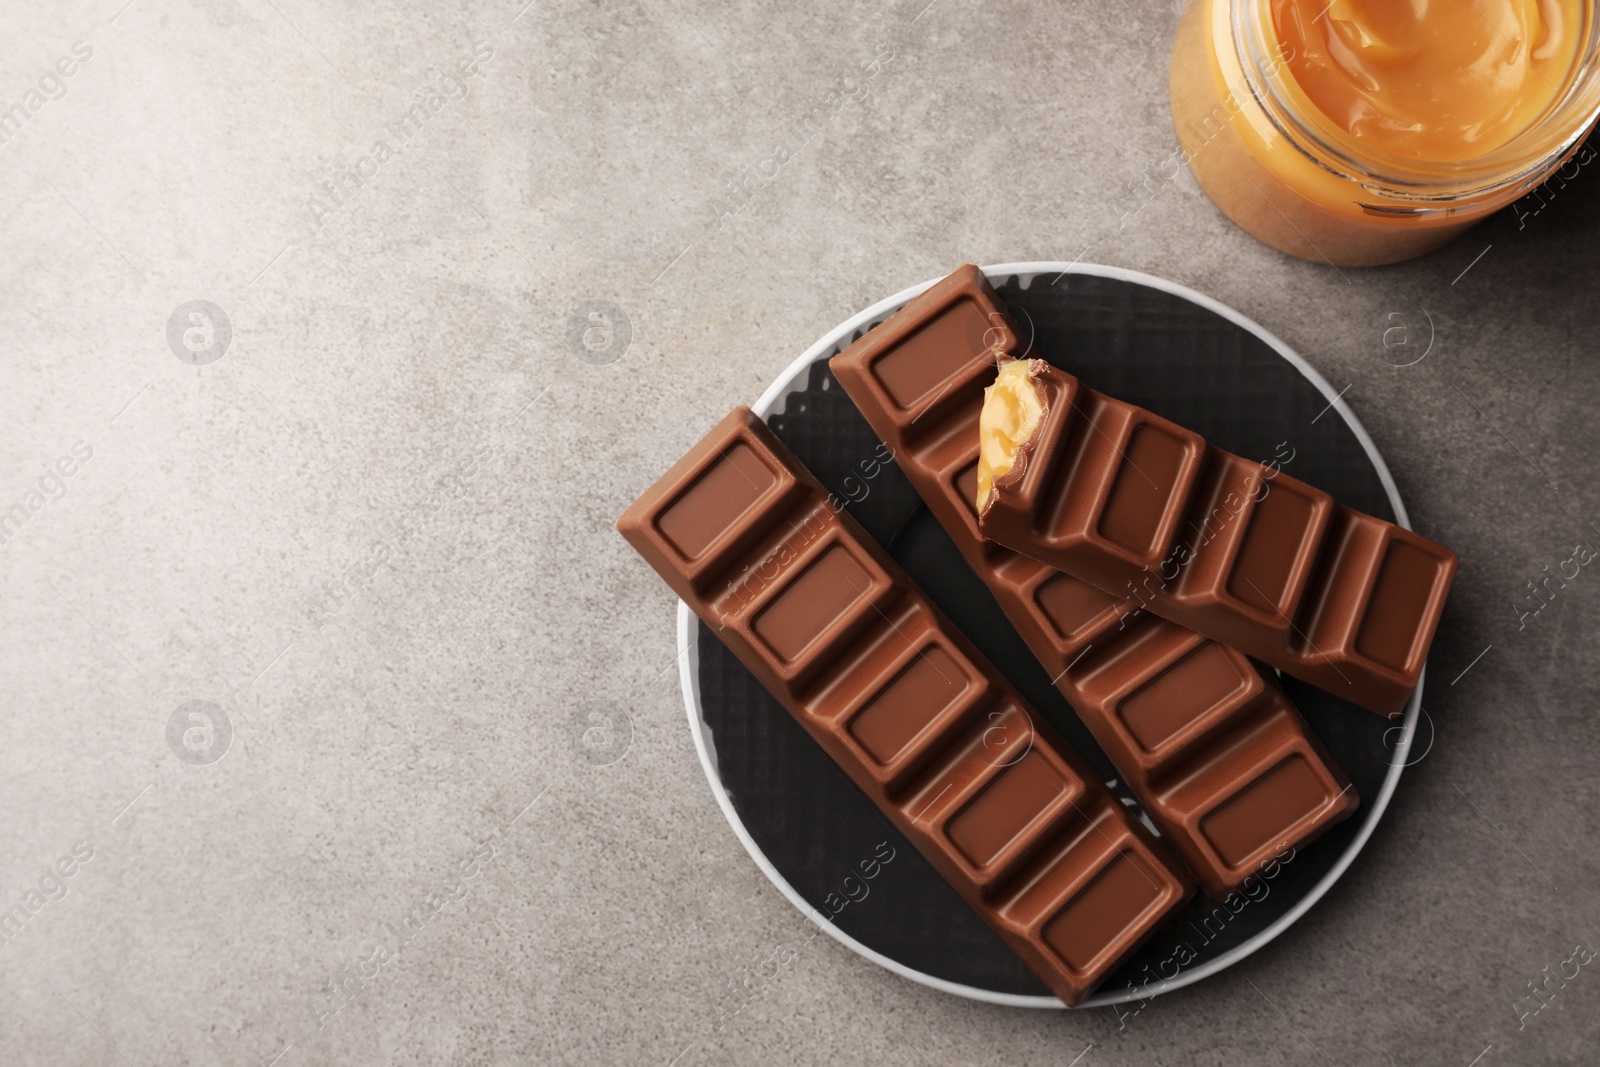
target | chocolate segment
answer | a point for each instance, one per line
(1190, 724)
(981, 785)
(1250, 557)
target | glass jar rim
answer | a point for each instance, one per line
(1522, 162)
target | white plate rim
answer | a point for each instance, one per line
(689, 673)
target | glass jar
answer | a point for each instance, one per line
(1268, 158)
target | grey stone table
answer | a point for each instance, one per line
(341, 727)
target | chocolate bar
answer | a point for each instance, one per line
(1217, 755)
(1140, 507)
(900, 699)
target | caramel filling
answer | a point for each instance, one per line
(1012, 411)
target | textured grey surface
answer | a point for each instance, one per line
(408, 413)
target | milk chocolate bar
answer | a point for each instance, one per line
(902, 701)
(1217, 755)
(1137, 506)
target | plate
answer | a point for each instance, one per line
(817, 836)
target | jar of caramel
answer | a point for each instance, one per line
(1360, 132)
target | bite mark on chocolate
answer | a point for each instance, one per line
(1012, 411)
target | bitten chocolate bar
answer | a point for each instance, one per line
(1219, 757)
(1140, 507)
(949, 750)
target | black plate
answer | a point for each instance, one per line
(1137, 339)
